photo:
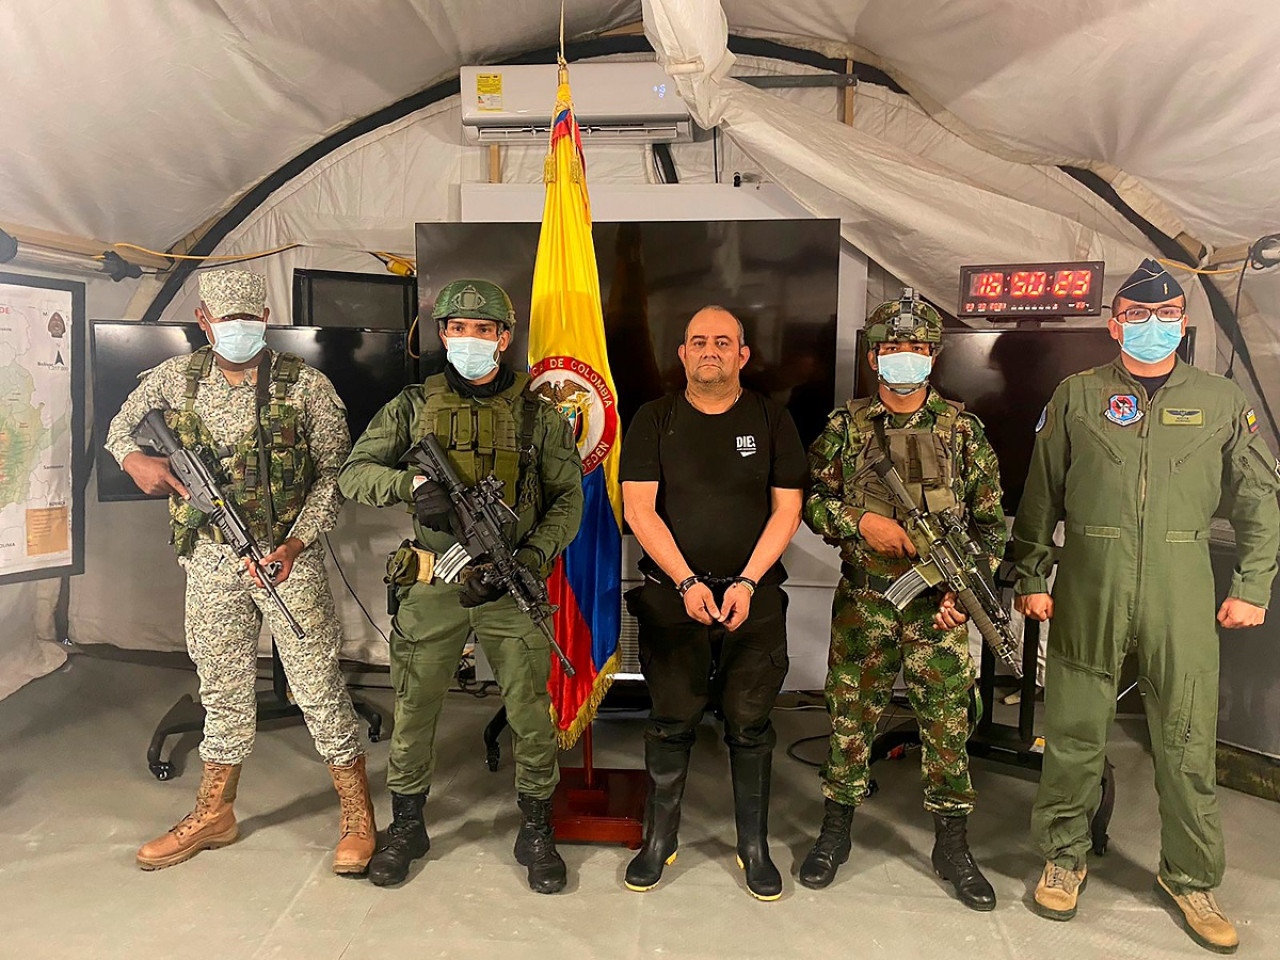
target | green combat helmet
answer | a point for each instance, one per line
(475, 300)
(907, 319)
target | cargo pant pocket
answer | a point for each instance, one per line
(1196, 725)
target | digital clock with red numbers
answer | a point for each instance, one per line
(1026, 290)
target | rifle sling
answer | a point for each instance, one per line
(261, 397)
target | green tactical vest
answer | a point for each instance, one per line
(924, 458)
(489, 436)
(288, 458)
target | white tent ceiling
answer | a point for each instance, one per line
(139, 121)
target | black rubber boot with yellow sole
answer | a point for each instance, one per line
(751, 770)
(668, 768)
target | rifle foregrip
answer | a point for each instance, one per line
(994, 638)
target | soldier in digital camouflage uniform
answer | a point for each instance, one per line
(944, 458)
(210, 398)
(489, 422)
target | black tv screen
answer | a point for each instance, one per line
(367, 367)
(780, 277)
(1006, 377)
(370, 301)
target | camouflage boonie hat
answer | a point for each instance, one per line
(475, 300)
(228, 292)
(905, 320)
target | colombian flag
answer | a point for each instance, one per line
(570, 368)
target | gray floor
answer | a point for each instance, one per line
(76, 799)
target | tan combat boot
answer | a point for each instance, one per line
(359, 833)
(210, 825)
(1202, 918)
(1058, 890)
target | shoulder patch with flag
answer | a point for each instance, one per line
(570, 369)
(1251, 420)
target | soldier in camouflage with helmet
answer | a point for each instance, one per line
(944, 458)
(279, 433)
(489, 422)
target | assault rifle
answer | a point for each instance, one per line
(206, 495)
(479, 515)
(948, 557)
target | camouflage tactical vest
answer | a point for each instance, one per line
(487, 436)
(288, 453)
(924, 458)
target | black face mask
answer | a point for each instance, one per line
(465, 388)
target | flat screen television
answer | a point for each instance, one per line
(1006, 377)
(367, 367)
(369, 301)
(780, 277)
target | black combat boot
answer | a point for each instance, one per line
(406, 840)
(536, 847)
(750, 772)
(952, 861)
(667, 766)
(830, 849)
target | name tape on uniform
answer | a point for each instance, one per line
(1181, 417)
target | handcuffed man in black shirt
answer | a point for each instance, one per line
(711, 486)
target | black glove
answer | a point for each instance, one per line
(432, 505)
(475, 590)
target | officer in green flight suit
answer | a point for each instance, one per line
(1135, 457)
(489, 422)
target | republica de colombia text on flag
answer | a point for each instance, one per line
(570, 369)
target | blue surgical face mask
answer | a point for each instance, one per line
(1152, 341)
(472, 357)
(904, 372)
(238, 341)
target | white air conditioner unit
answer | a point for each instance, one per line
(614, 103)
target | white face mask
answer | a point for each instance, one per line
(238, 341)
(904, 372)
(472, 357)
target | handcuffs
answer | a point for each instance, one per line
(716, 583)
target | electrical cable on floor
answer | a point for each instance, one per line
(361, 605)
(898, 718)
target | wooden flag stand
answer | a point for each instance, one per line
(599, 806)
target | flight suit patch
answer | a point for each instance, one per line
(1251, 420)
(1181, 417)
(1123, 409)
(1044, 418)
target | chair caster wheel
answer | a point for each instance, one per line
(161, 770)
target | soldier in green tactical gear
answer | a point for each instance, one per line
(490, 423)
(943, 457)
(277, 432)
(1135, 457)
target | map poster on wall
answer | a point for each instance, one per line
(41, 425)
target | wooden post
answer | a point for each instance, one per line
(588, 760)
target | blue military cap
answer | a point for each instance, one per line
(1150, 283)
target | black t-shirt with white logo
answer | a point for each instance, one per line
(714, 474)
